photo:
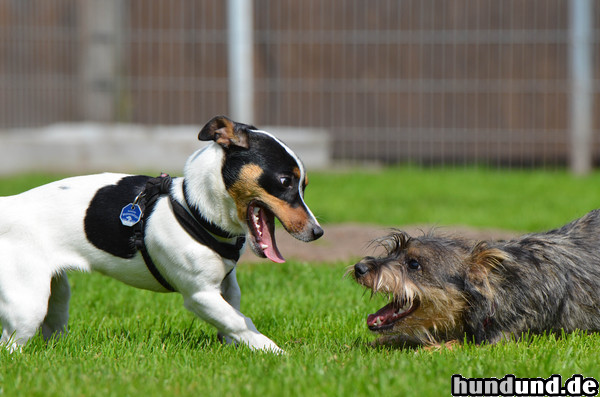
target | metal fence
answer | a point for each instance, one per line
(443, 81)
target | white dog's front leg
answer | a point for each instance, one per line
(230, 290)
(214, 309)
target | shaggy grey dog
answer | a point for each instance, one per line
(443, 289)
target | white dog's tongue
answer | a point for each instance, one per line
(267, 236)
(270, 247)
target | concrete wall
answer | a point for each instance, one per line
(79, 148)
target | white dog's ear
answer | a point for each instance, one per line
(225, 132)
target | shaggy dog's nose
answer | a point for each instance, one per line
(360, 269)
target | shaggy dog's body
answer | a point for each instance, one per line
(234, 187)
(445, 288)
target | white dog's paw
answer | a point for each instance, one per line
(275, 350)
(261, 342)
(268, 348)
(254, 340)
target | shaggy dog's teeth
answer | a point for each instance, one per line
(403, 306)
(264, 246)
(403, 309)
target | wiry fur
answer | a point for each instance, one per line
(541, 282)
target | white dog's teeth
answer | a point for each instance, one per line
(256, 220)
(264, 246)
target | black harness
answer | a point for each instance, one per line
(201, 229)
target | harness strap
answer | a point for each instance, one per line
(155, 187)
(199, 232)
(141, 246)
(206, 224)
(192, 222)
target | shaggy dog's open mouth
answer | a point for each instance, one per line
(387, 316)
(261, 222)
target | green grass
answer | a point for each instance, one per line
(513, 200)
(124, 341)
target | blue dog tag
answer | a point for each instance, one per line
(130, 214)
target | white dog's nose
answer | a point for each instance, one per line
(317, 232)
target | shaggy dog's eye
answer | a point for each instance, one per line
(285, 181)
(413, 264)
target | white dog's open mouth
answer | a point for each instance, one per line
(261, 222)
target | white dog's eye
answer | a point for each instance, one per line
(285, 181)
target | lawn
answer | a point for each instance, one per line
(519, 200)
(124, 341)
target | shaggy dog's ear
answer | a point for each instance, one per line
(484, 265)
(482, 277)
(225, 132)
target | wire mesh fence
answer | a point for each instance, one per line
(424, 81)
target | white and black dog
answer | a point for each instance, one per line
(160, 234)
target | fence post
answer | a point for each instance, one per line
(581, 79)
(240, 60)
(100, 30)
